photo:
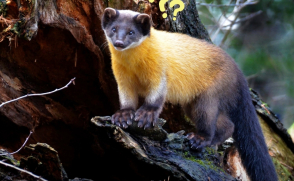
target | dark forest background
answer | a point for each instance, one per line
(261, 40)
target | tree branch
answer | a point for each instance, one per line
(20, 147)
(22, 170)
(227, 5)
(39, 94)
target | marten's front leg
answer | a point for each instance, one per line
(128, 98)
(148, 113)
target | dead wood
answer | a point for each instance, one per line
(159, 155)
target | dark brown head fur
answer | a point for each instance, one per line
(124, 28)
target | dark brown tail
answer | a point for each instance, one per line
(249, 138)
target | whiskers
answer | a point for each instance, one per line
(103, 46)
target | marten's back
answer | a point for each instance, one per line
(193, 65)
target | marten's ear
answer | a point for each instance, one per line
(109, 16)
(143, 20)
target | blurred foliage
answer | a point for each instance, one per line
(3, 8)
(262, 45)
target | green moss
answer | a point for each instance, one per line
(265, 104)
(108, 122)
(17, 27)
(210, 150)
(283, 156)
(3, 8)
(200, 162)
(291, 129)
(11, 159)
(283, 172)
(205, 163)
(141, 7)
(190, 157)
(221, 153)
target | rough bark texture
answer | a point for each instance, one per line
(159, 155)
(188, 21)
(278, 140)
(69, 43)
(43, 44)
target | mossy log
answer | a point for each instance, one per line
(158, 155)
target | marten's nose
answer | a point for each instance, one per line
(119, 43)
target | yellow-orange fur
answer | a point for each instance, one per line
(190, 65)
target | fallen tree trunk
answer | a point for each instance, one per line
(159, 155)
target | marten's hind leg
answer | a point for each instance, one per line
(224, 129)
(204, 112)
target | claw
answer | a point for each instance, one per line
(136, 118)
(198, 142)
(146, 117)
(122, 118)
(124, 125)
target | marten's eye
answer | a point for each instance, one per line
(131, 33)
(113, 30)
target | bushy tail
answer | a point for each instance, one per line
(249, 139)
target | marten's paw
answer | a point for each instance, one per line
(146, 116)
(198, 142)
(123, 117)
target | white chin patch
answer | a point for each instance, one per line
(119, 48)
(132, 45)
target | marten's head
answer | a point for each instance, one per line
(124, 28)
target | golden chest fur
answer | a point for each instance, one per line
(189, 65)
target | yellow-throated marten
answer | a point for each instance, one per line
(162, 66)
